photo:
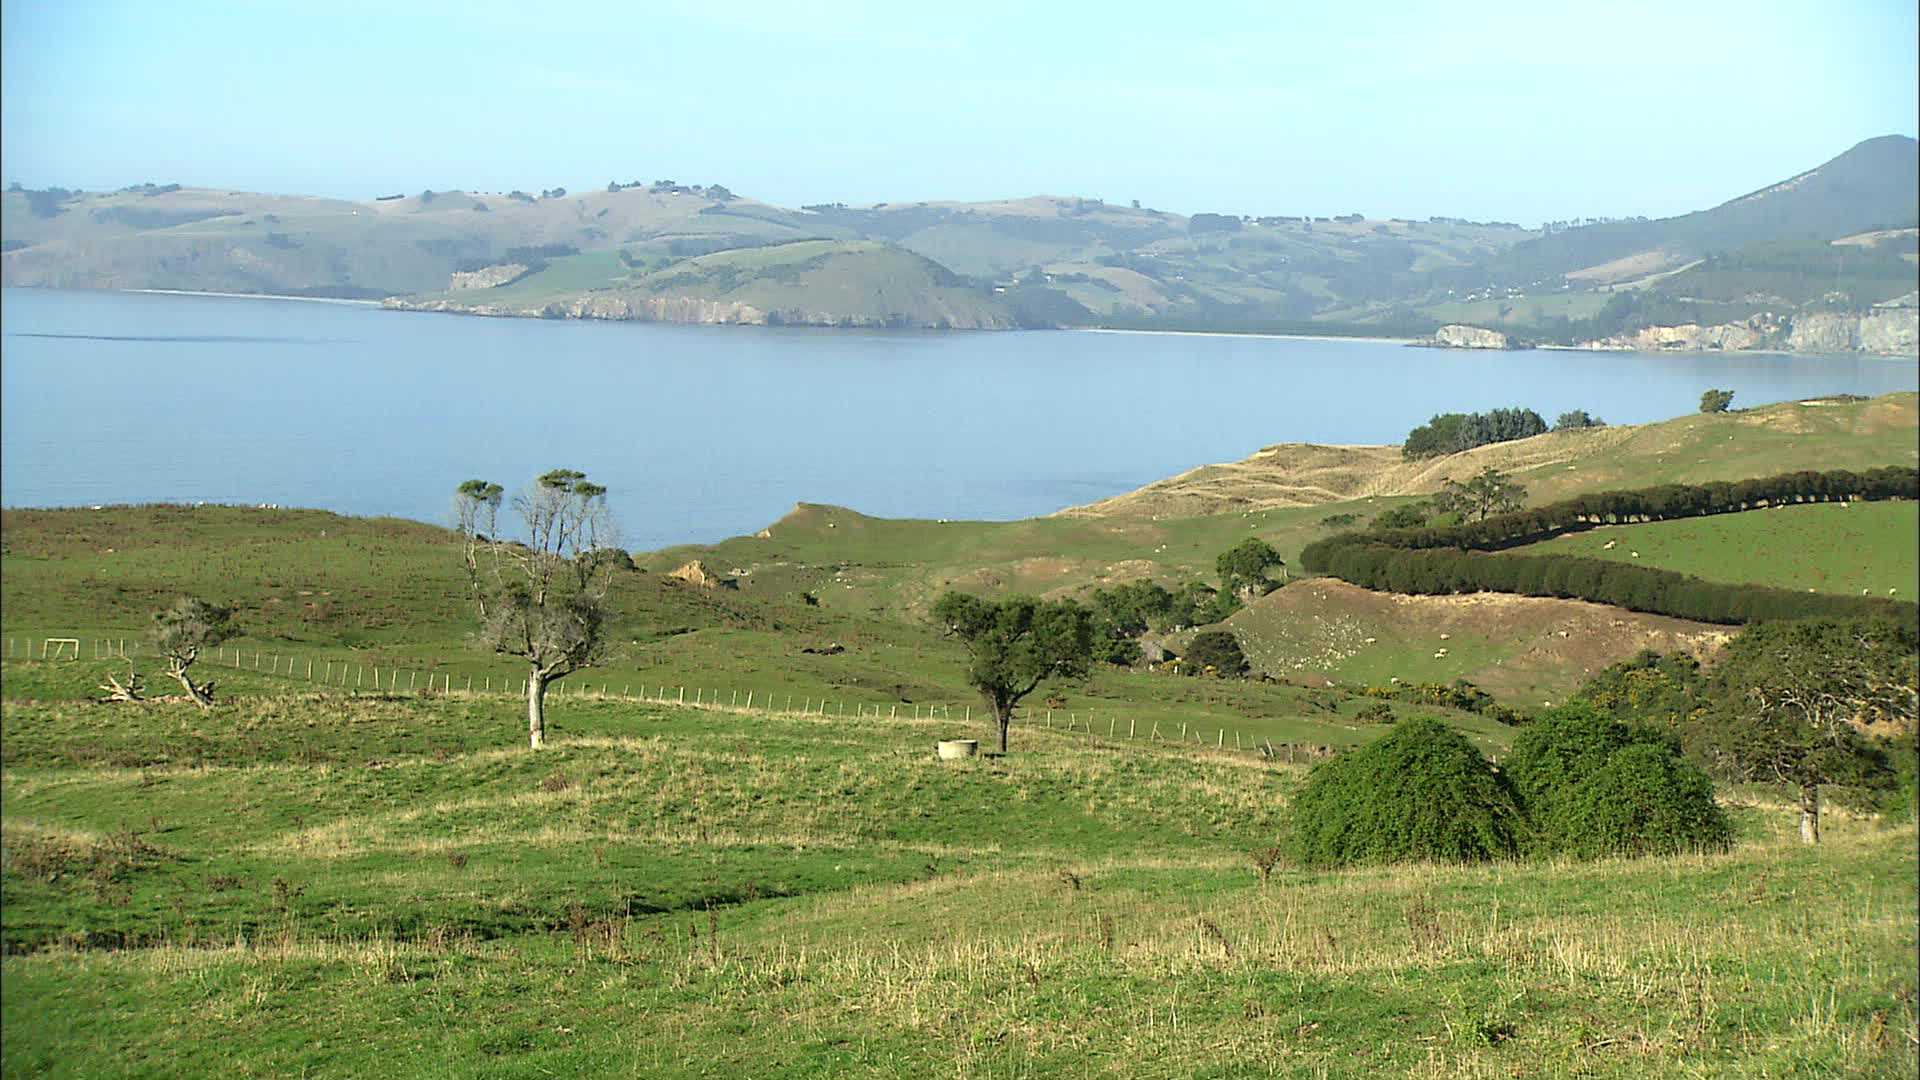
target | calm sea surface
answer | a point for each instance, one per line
(709, 432)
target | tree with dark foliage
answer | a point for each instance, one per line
(1016, 644)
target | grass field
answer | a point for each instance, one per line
(1849, 548)
(388, 594)
(360, 886)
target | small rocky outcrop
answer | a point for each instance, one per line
(1462, 336)
(696, 573)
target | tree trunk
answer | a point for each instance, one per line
(1809, 813)
(537, 710)
(201, 695)
(1003, 716)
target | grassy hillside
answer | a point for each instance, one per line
(368, 593)
(1525, 650)
(196, 238)
(1764, 441)
(1876, 184)
(1853, 549)
(810, 282)
(359, 886)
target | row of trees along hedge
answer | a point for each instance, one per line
(1457, 559)
(1662, 503)
(1568, 577)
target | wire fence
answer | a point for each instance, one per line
(355, 676)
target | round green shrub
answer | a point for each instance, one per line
(1420, 793)
(1645, 800)
(1593, 786)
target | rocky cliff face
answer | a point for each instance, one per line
(1887, 331)
(690, 309)
(486, 277)
(1460, 336)
(1751, 334)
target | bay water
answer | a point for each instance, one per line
(707, 432)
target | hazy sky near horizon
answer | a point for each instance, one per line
(1517, 111)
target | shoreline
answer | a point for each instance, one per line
(252, 296)
(1238, 334)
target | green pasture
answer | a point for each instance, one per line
(328, 884)
(352, 596)
(1866, 548)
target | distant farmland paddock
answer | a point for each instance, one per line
(1842, 548)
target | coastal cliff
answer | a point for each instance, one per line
(1890, 330)
(1462, 336)
(702, 311)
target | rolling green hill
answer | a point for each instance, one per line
(1825, 433)
(802, 283)
(1874, 185)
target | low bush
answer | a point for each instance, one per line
(1646, 800)
(1592, 786)
(1422, 792)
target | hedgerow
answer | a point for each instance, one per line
(1461, 558)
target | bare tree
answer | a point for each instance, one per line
(131, 690)
(181, 631)
(545, 600)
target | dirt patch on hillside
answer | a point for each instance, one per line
(1526, 649)
(1627, 267)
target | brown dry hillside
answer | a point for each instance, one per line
(1817, 434)
(1525, 650)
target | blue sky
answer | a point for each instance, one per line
(1524, 111)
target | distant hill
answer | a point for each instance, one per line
(1874, 185)
(852, 283)
(1834, 239)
